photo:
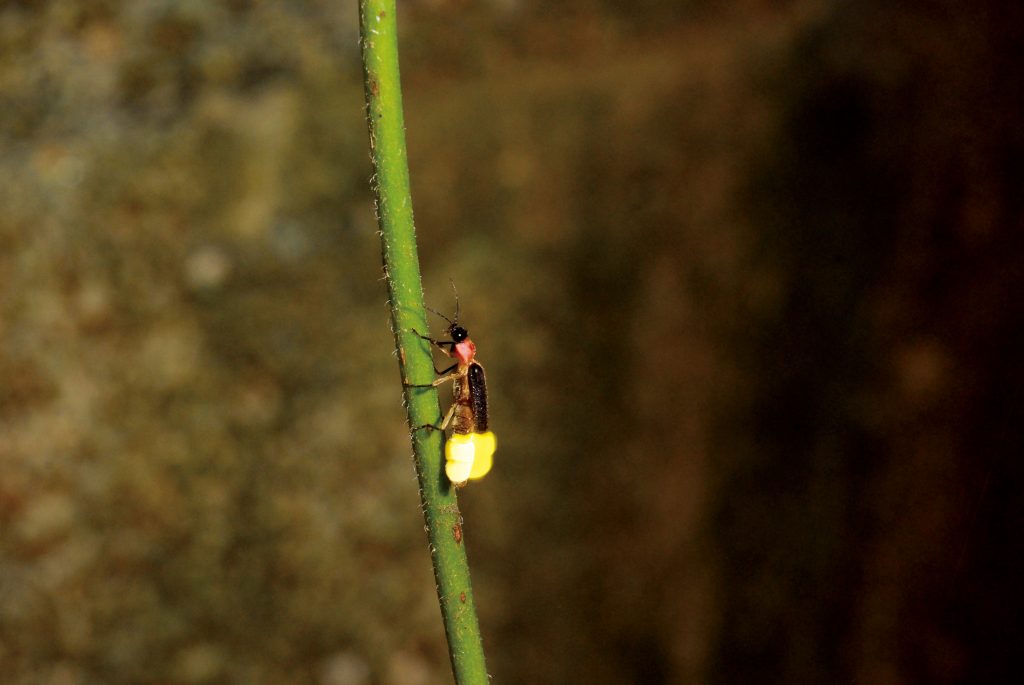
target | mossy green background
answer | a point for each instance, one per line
(745, 278)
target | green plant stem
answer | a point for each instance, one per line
(379, 37)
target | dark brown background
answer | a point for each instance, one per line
(746, 278)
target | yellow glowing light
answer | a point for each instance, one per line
(469, 455)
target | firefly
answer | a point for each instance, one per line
(470, 449)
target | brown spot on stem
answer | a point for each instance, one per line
(381, 14)
(457, 533)
(462, 597)
(374, 88)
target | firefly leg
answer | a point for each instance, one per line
(448, 417)
(439, 381)
(444, 424)
(445, 379)
(441, 346)
(439, 343)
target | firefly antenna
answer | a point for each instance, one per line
(452, 281)
(453, 323)
(442, 315)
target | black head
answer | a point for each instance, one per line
(458, 333)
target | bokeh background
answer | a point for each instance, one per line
(746, 276)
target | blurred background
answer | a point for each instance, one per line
(746, 277)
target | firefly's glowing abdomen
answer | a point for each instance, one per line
(469, 455)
